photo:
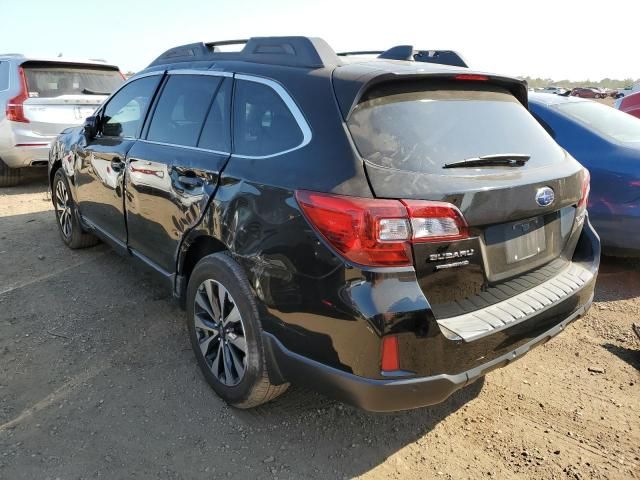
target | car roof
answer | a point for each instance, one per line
(20, 59)
(550, 99)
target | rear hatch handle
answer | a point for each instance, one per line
(495, 160)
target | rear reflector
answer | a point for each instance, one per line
(379, 232)
(472, 77)
(390, 360)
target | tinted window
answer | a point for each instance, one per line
(182, 108)
(215, 134)
(420, 127)
(262, 123)
(54, 81)
(608, 121)
(124, 114)
(4, 75)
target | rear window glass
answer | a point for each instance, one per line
(421, 127)
(57, 81)
(611, 123)
(4, 75)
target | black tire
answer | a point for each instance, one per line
(9, 177)
(74, 236)
(254, 387)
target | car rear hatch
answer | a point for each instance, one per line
(469, 141)
(61, 95)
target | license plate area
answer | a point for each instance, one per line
(525, 239)
(515, 247)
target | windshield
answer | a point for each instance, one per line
(56, 81)
(611, 123)
(422, 127)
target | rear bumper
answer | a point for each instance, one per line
(27, 156)
(392, 395)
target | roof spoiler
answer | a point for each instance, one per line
(304, 52)
(407, 52)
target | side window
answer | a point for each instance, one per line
(215, 134)
(182, 108)
(4, 75)
(124, 114)
(262, 123)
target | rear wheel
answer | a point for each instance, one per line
(9, 177)
(68, 225)
(226, 334)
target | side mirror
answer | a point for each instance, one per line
(91, 127)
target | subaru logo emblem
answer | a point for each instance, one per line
(545, 196)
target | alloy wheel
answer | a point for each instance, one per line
(63, 208)
(220, 332)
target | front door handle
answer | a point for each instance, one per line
(117, 164)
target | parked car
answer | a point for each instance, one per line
(629, 104)
(587, 93)
(553, 89)
(607, 142)
(628, 90)
(41, 97)
(363, 227)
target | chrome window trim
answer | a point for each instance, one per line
(199, 149)
(293, 108)
(213, 73)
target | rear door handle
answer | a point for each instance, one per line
(189, 181)
(116, 164)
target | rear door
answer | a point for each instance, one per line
(101, 160)
(413, 137)
(62, 95)
(174, 171)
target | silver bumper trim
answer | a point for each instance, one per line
(519, 308)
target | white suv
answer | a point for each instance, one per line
(41, 97)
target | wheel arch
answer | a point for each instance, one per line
(193, 249)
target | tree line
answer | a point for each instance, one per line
(604, 83)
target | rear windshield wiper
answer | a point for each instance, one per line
(86, 91)
(497, 160)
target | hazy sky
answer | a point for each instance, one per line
(558, 39)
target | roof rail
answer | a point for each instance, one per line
(406, 52)
(304, 52)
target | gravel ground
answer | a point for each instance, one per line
(97, 380)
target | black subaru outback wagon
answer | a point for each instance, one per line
(383, 231)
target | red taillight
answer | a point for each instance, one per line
(472, 77)
(15, 107)
(379, 232)
(352, 226)
(586, 188)
(390, 360)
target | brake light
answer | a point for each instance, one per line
(471, 76)
(586, 188)
(390, 360)
(379, 232)
(15, 107)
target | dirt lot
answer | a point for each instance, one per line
(97, 380)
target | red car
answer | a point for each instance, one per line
(587, 93)
(630, 104)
